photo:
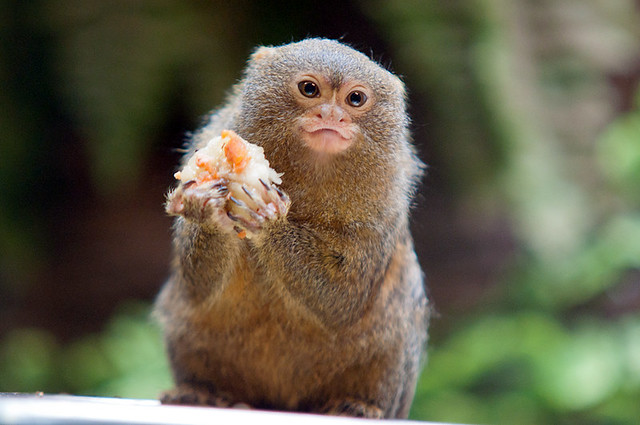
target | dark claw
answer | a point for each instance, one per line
(238, 202)
(244, 206)
(244, 189)
(220, 186)
(282, 195)
(243, 222)
(266, 186)
(188, 184)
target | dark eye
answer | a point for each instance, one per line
(356, 98)
(308, 89)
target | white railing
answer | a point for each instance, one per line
(34, 409)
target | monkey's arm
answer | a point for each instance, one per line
(204, 258)
(334, 273)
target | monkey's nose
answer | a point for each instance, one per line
(332, 113)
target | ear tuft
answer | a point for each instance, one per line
(262, 52)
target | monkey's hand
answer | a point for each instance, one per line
(251, 208)
(201, 203)
(229, 206)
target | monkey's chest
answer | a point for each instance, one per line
(260, 346)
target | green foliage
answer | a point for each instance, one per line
(27, 360)
(120, 65)
(619, 155)
(127, 359)
(529, 361)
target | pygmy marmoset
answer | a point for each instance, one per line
(323, 308)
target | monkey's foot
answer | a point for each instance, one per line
(197, 396)
(252, 208)
(353, 407)
(203, 204)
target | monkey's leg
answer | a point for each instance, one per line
(353, 407)
(196, 395)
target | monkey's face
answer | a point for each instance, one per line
(319, 102)
(328, 123)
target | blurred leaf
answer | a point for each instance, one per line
(594, 269)
(619, 154)
(27, 361)
(456, 407)
(129, 361)
(631, 353)
(126, 360)
(85, 366)
(485, 344)
(583, 371)
(623, 409)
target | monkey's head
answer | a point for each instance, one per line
(319, 105)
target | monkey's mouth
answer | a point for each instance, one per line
(327, 138)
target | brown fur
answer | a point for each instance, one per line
(325, 309)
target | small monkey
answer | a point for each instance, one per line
(323, 309)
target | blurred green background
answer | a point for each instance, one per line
(527, 224)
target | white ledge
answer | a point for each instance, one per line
(34, 409)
